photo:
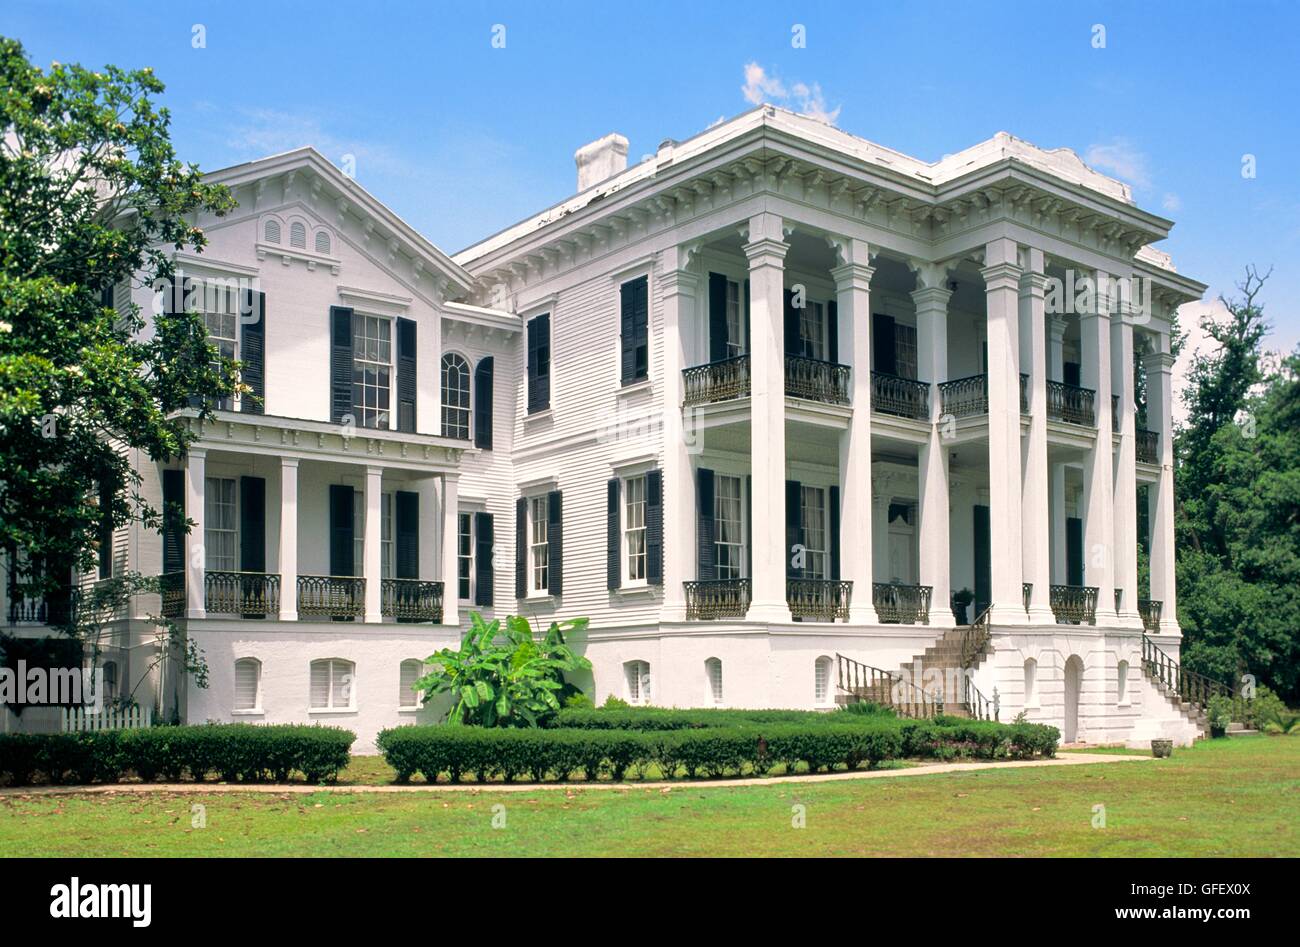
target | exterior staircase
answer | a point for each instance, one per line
(1187, 691)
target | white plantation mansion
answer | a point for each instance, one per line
(758, 406)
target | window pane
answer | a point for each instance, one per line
(634, 528)
(729, 541)
(814, 532)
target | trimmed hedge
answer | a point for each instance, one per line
(662, 718)
(737, 744)
(234, 752)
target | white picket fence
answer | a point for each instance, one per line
(81, 720)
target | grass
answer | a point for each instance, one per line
(1232, 797)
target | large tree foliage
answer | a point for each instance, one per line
(1238, 505)
(91, 196)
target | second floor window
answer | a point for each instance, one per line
(812, 330)
(372, 369)
(814, 532)
(220, 315)
(539, 363)
(634, 529)
(455, 396)
(538, 551)
(729, 538)
(735, 323)
(220, 525)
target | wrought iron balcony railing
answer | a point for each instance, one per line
(1150, 612)
(818, 599)
(1148, 447)
(27, 611)
(250, 594)
(901, 397)
(717, 381)
(171, 586)
(331, 596)
(717, 598)
(1070, 403)
(411, 600)
(1074, 604)
(815, 380)
(965, 397)
(901, 604)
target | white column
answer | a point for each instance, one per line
(678, 286)
(288, 539)
(1159, 366)
(931, 300)
(1035, 518)
(450, 573)
(1125, 467)
(853, 298)
(1056, 372)
(196, 465)
(1001, 292)
(1098, 466)
(766, 252)
(371, 567)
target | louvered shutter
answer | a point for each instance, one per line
(406, 534)
(341, 530)
(173, 487)
(252, 524)
(654, 527)
(717, 317)
(406, 375)
(555, 542)
(106, 528)
(252, 354)
(882, 344)
(246, 674)
(320, 683)
(793, 526)
(521, 547)
(410, 672)
(834, 494)
(613, 537)
(746, 317)
(340, 363)
(483, 403)
(341, 681)
(705, 553)
(539, 363)
(793, 341)
(833, 331)
(484, 538)
(633, 335)
(749, 525)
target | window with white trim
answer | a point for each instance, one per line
(822, 681)
(905, 350)
(465, 556)
(372, 370)
(248, 684)
(735, 321)
(332, 684)
(455, 396)
(272, 231)
(634, 529)
(221, 318)
(812, 330)
(386, 546)
(539, 558)
(813, 501)
(298, 235)
(637, 674)
(713, 671)
(322, 242)
(728, 524)
(408, 697)
(220, 525)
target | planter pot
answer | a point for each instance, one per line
(1161, 749)
(1217, 731)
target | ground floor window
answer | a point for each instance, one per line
(539, 553)
(822, 680)
(332, 681)
(248, 684)
(411, 671)
(464, 555)
(713, 671)
(638, 681)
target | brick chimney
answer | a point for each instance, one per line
(600, 160)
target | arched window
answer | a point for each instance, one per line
(332, 684)
(248, 684)
(322, 242)
(638, 681)
(272, 231)
(713, 671)
(298, 235)
(1031, 683)
(455, 396)
(822, 681)
(1123, 682)
(110, 681)
(408, 697)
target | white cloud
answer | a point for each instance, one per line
(256, 133)
(1172, 203)
(805, 97)
(1121, 159)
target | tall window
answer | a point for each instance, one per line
(812, 330)
(332, 684)
(638, 681)
(905, 350)
(735, 321)
(634, 528)
(386, 547)
(713, 671)
(455, 396)
(814, 532)
(248, 684)
(220, 526)
(464, 554)
(539, 363)
(411, 671)
(539, 554)
(822, 680)
(220, 315)
(372, 369)
(729, 537)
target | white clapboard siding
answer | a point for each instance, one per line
(81, 720)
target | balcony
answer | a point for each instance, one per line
(171, 586)
(27, 611)
(815, 380)
(411, 600)
(1071, 404)
(248, 594)
(331, 596)
(901, 397)
(965, 397)
(901, 604)
(1150, 612)
(716, 381)
(818, 599)
(717, 598)
(1148, 447)
(1074, 604)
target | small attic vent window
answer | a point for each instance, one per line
(322, 242)
(272, 231)
(297, 236)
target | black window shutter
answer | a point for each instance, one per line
(882, 344)
(341, 535)
(793, 341)
(793, 525)
(484, 537)
(832, 331)
(483, 403)
(406, 534)
(746, 316)
(173, 488)
(706, 554)
(627, 333)
(406, 361)
(749, 525)
(174, 301)
(1074, 570)
(654, 527)
(252, 524)
(613, 538)
(539, 363)
(1070, 371)
(555, 542)
(252, 354)
(834, 503)
(106, 528)
(521, 547)
(717, 317)
(340, 365)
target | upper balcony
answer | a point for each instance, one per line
(809, 379)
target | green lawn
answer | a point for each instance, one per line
(1226, 797)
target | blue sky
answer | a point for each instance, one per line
(461, 138)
